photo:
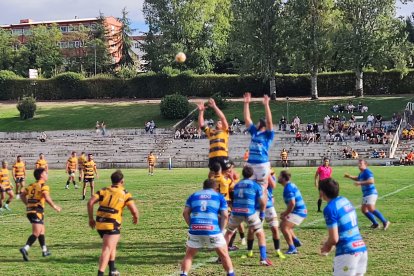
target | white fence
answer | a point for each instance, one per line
(395, 141)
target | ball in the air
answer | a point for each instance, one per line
(180, 57)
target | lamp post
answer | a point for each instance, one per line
(287, 109)
(95, 56)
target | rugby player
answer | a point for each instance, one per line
(206, 215)
(323, 172)
(19, 175)
(34, 197)
(42, 163)
(89, 174)
(5, 187)
(262, 138)
(151, 159)
(247, 195)
(351, 256)
(81, 160)
(112, 200)
(369, 194)
(71, 165)
(218, 137)
(295, 211)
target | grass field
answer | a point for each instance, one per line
(62, 116)
(83, 115)
(156, 245)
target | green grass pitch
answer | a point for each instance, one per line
(156, 245)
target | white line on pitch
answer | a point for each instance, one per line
(212, 259)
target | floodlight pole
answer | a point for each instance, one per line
(287, 109)
(95, 56)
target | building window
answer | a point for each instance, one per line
(64, 29)
(78, 44)
(27, 31)
(136, 45)
(63, 44)
(71, 44)
(17, 31)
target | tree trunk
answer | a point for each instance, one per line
(272, 88)
(359, 85)
(314, 82)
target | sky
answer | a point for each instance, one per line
(11, 11)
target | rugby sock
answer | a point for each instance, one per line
(74, 182)
(380, 216)
(7, 201)
(100, 273)
(111, 265)
(42, 243)
(276, 243)
(241, 235)
(250, 245)
(30, 242)
(183, 273)
(263, 254)
(292, 247)
(232, 240)
(371, 217)
(319, 204)
(231, 273)
(67, 183)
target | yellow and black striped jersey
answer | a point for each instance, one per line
(72, 163)
(35, 195)
(112, 201)
(223, 185)
(219, 142)
(89, 169)
(4, 178)
(151, 159)
(81, 160)
(19, 169)
(41, 163)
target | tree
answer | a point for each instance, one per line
(310, 26)
(6, 50)
(256, 38)
(371, 36)
(41, 51)
(198, 28)
(125, 40)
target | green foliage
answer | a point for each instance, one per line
(126, 31)
(174, 106)
(27, 107)
(7, 55)
(8, 75)
(169, 71)
(70, 86)
(198, 28)
(126, 72)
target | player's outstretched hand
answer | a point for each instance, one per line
(266, 100)
(92, 223)
(201, 106)
(211, 103)
(347, 175)
(57, 208)
(247, 97)
(135, 220)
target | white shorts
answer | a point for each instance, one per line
(213, 241)
(369, 200)
(270, 217)
(261, 172)
(351, 264)
(295, 219)
(252, 221)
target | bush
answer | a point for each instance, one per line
(126, 72)
(174, 106)
(69, 86)
(27, 107)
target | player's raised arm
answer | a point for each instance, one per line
(186, 215)
(266, 103)
(219, 113)
(246, 109)
(201, 109)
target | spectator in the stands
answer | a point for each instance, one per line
(335, 108)
(317, 137)
(311, 137)
(296, 122)
(359, 107)
(411, 134)
(347, 153)
(357, 136)
(355, 154)
(292, 128)
(378, 119)
(364, 109)
(375, 154)
(282, 123)
(363, 133)
(152, 127)
(326, 121)
(341, 108)
(315, 127)
(309, 128)
(410, 158)
(177, 134)
(370, 120)
(403, 158)
(328, 138)
(298, 136)
(350, 107)
(382, 154)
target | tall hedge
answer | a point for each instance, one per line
(150, 85)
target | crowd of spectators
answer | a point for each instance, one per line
(150, 127)
(407, 158)
(407, 133)
(188, 133)
(349, 108)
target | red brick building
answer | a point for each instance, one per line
(72, 44)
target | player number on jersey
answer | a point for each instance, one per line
(353, 218)
(203, 206)
(240, 194)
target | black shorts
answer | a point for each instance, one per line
(88, 180)
(35, 218)
(222, 160)
(19, 179)
(5, 190)
(109, 232)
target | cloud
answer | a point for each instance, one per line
(11, 11)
